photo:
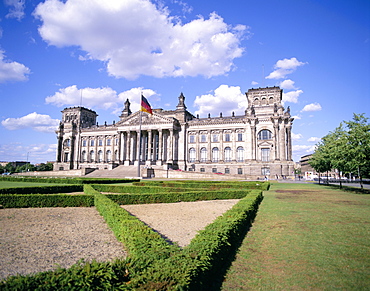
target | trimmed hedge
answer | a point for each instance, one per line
(207, 184)
(46, 200)
(42, 189)
(176, 197)
(79, 181)
(80, 276)
(153, 264)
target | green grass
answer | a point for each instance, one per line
(305, 237)
(8, 184)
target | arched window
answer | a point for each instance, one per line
(83, 156)
(203, 154)
(264, 134)
(271, 100)
(100, 156)
(240, 154)
(215, 155)
(264, 101)
(227, 156)
(256, 101)
(191, 155)
(92, 156)
(109, 156)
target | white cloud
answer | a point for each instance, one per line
(314, 139)
(284, 67)
(224, 99)
(301, 150)
(296, 117)
(16, 8)
(104, 98)
(134, 37)
(38, 122)
(296, 136)
(254, 83)
(37, 153)
(12, 71)
(312, 107)
(287, 84)
(292, 96)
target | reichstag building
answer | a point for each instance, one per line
(257, 143)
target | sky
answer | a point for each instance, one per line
(94, 53)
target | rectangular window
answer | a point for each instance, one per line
(240, 171)
(84, 143)
(214, 170)
(215, 138)
(100, 142)
(240, 137)
(227, 136)
(203, 138)
(116, 141)
(192, 139)
(265, 155)
(202, 170)
(265, 171)
(108, 142)
(227, 170)
(92, 142)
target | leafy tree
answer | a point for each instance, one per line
(45, 167)
(10, 168)
(321, 160)
(359, 145)
(2, 169)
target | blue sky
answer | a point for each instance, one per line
(56, 54)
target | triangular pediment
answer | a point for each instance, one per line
(265, 144)
(146, 119)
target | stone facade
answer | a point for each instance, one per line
(256, 144)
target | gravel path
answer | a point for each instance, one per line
(36, 239)
(180, 222)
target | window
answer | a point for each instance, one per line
(192, 155)
(100, 142)
(227, 154)
(255, 102)
(67, 143)
(227, 136)
(240, 154)
(92, 156)
(66, 157)
(202, 170)
(264, 134)
(192, 139)
(265, 171)
(116, 141)
(116, 155)
(240, 171)
(83, 156)
(264, 101)
(240, 137)
(203, 138)
(265, 155)
(84, 143)
(92, 142)
(271, 100)
(109, 156)
(214, 170)
(215, 138)
(227, 170)
(203, 154)
(100, 156)
(108, 142)
(215, 155)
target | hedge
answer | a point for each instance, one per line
(46, 200)
(79, 181)
(42, 189)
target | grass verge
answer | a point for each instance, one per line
(305, 237)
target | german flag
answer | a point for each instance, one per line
(145, 106)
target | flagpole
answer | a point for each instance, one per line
(139, 141)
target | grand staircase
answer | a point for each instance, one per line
(118, 172)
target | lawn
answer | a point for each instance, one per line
(9, 184)
(305, 237)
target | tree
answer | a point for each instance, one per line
(45, 167)
(10, 167)
(320, 159)
(359, 145)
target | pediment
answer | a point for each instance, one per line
(146, 119)
(265, 144)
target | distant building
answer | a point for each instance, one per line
(14, 164)
(309, 172)
(256, 144)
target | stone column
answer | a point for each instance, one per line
(150, 156)
(209, 150)
(221, 149)
(128, 148)
(289, 142)
(276, 141)
(254, 144)
(233, 145)
(197, 149)
(282, 145)
(170, 147)
(160, 147)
